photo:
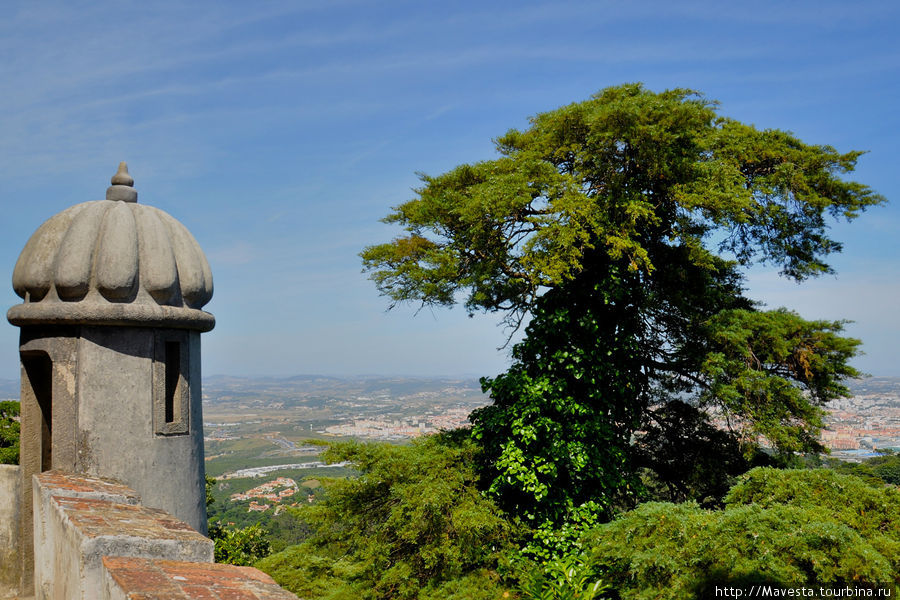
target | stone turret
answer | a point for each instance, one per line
(113, 262)
(110, 351)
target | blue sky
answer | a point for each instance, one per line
(281, 132)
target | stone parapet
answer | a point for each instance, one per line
(71, 485)
(146, 579)
(79, 519)
(94, 540)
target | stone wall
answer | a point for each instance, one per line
(94, 540)
(10, 505)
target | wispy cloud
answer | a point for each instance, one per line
(236, 253)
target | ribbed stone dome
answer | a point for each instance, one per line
(113, 262)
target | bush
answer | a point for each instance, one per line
(413, 525)
(241, 547)
(872, 510)
(779, 527)
(569, 577)
(663, 550)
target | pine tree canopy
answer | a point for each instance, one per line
(630, 175)
(622, 226)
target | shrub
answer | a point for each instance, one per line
(413, 525)
(780, 527)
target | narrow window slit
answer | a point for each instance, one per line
(173, 377)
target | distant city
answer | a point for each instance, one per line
(868, 421)
(402, 408)
(270, 492)
(377, 408)
(282, 412)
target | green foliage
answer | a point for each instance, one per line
(569, 577)
(685, 457)
(209, 484)
(621, 224)
(241, 547)
(620, 173)
(776, 370)
(9, 433)
(412, 525)
(677, 551)
(888, 471)
(780, 527)
(556, 434)
(880, 469)
(871, 510)
(284, 530)
(886, 468)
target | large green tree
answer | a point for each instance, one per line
(618, 228)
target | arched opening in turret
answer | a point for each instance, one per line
(37, 390)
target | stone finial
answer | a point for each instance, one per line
(122, 187)
(122, 177)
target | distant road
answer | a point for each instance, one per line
(286, 444)
(260, 471)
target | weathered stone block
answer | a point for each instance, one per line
(145, 579)
(9, 530)
(79, 520)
